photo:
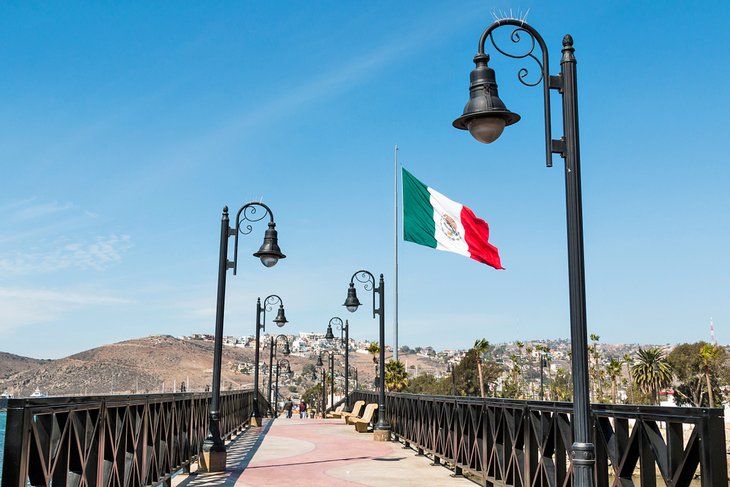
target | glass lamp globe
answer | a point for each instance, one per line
(486, 129)
(269, 260)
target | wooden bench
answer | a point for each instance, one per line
(355, 414)
(344, 412)
(337, 411)
(361, 424)
(356, 411)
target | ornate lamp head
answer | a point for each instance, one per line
(329, 335)
(280, 319)
(270, 253)
(485, 115)
(352, 303)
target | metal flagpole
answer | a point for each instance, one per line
(395, 253)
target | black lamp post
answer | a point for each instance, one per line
(543, 364)
(324, 387)
(331, 356)
(279, 365)
(485, 116)
(314, 379)
(451, 369)
(353, 374)
(214, 450)
(344, 328)
(273, 342)
(280, 321)
(382, 427)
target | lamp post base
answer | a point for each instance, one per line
(212, 461)
(255, 421)
(381, 435)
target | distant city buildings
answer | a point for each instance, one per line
(303, 344)
(525, 354)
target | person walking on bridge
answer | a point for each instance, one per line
(288, 406)
(302, 409)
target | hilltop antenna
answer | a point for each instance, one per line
(713, 340)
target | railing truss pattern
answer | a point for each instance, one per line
(128, 441)
(504, 442)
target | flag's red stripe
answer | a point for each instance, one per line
(476, 234)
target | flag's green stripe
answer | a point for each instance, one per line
(418, 224)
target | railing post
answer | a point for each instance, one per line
(144, 439)
(601, 466)
(17, 437)
(530, 445)
(647, 461)
(191, 429)
(457, 430)
(102, 443)
(713, 466)
(485, 441)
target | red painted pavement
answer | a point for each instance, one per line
(331, 449)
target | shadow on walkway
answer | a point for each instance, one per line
(241, 451)
(314, 462)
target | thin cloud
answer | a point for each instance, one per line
(33, 220)
(42, 295)
(26, 307)
(335, 80)
(40, 210)
(331, 83)
(21, 210)
(98, 254)
(15, 204)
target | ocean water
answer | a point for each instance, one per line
(2, 440)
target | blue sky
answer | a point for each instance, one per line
(126, 127)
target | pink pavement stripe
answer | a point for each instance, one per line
(331, 450)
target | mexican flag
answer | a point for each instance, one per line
(433, 220)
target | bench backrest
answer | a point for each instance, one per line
(340, 408)
(367, 416)
(357, 408)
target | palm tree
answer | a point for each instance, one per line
(374, 349)
(595, 370)
(520, 346)
(708, 354)
(481, 347)
(530, 384)
(652, 371)
(613, 369)
(628, 361)
(515, 382)
(545, 352)
(396, 376)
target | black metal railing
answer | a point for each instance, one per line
(119, 440)
(505, 442)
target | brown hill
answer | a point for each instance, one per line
(11, 364)
(161, 363)
(151, 364)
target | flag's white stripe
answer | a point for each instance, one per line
(443, 206)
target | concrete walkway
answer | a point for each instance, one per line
(315, 452)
